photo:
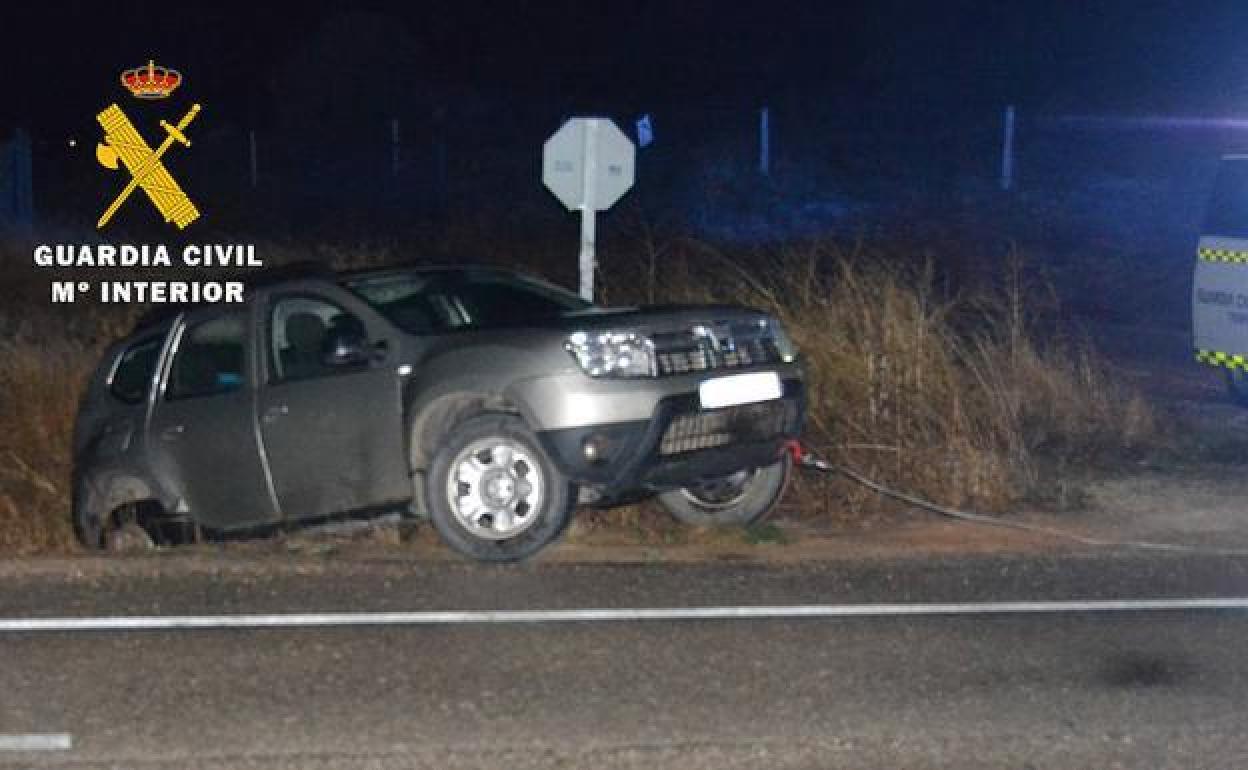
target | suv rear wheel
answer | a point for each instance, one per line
(492, 493)
(739, 499)
(122, 531)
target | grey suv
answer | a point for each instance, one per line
(489, 401)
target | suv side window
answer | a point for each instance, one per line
(132, 377)
(298, 329)
(210, 358)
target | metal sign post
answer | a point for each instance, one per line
(588, 164)
(589, 212)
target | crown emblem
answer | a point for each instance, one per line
(151, 81)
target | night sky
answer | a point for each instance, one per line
(62, 60)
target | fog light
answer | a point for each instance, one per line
(594, 449)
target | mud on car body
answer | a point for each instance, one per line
(488, 401)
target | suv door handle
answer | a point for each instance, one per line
(275, 413)
(173, 432)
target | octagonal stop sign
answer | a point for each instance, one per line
(588, 164)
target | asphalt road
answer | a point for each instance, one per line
(1158, 689)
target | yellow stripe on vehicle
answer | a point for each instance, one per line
(1222, 255)
(1226, 360)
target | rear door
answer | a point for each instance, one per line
(1220, 282)
(202, 438)
(333, 434)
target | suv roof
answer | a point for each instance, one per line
(300, 271)
(159, 314)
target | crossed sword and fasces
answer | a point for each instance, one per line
(121, 140)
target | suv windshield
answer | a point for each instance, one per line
(439, 301)
(1228, 206)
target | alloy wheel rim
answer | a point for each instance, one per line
(721, 493)
(495, 488)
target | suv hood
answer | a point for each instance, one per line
(656, 317)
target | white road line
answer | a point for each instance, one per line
(457, 617)
(36, 742)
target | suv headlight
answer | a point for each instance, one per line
(784, 344)
(612, 353)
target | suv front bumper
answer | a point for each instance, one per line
(679, 445)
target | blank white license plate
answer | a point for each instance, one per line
(740, 389)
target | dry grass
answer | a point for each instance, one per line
(48, 356)
(952, 397)
(41, 380)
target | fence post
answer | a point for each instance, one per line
(439, 154)
(251, 152)
(394, 147)
(23, 187)
(764, 141)
(1007, 150)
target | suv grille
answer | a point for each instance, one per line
(718, 427)
(714, 346)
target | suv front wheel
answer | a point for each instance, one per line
(739, 499)
(493, 495)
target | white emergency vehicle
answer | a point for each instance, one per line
(1220, 282)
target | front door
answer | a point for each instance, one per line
(202, 437)
(333, 432)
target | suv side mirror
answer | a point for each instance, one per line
(344, 346)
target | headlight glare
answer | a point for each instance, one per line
(612, 353)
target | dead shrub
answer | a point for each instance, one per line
(956, 398)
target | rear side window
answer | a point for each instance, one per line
(210, 359)
(132, 379)
(1228, 207)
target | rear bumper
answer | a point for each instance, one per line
(679, 444)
